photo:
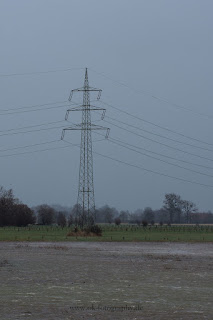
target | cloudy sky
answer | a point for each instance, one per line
(153, 61)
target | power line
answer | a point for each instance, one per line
(18, 110)
(29, 146)
(38, 72)
(148, 170)
(150, 94)
(32, 126)
(160, 154)
(24, 111)
(155, 172)
(154, 124)
(34, 151)
(44, 129)
(4, 132)
(160, 143)
(42, 150)
(124, 145)
(159, 135)
(176, 105)
(117, 160)
(33, 106)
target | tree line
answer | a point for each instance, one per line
(174, 210)
(13, 212)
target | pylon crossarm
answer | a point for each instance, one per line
(95, 127)
(91, 107)
(80, 127)
(83, 108)
(74, 90)
(88, 89)
(74, 127)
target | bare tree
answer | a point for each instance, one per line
(161, 215)
(136, 216)
(189, 208)
(148, 214)
(106, 214)
(61, 219)
(109, 216)
(46, 214)
(173, 205)
(124, 216)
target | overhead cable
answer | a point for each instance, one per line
(38, 72)
(154, 124)
(156, 153)
(148, 170)
(159, 135)
(160, 143)
(150, 94)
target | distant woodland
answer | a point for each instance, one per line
(174, 211)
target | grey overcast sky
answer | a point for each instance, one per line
(160, 49)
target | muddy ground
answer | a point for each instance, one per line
(133, 280)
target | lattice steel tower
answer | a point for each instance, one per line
(85, 214)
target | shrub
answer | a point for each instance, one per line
(94, 229)
(144, 223)
(117, 221)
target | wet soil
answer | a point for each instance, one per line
(84, 280)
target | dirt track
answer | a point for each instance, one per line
(50, 280)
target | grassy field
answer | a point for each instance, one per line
(125, 233)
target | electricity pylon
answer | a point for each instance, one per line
(85, 215)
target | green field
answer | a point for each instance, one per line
(123, 233)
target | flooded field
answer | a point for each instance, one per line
(88, 280)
